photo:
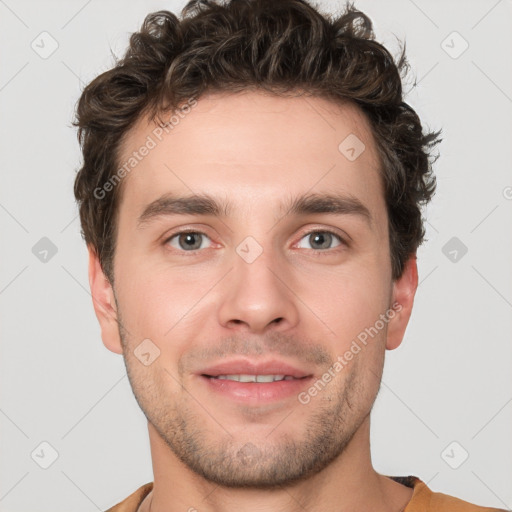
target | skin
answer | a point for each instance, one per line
(300, 303)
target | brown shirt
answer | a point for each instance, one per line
(423, 499)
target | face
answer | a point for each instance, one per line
(252, 246)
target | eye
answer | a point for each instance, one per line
(187, 241)
(322, 240)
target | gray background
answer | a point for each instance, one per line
(449, 382)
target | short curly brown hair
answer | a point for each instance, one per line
(278, 46)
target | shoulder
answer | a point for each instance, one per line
(132, 502)
(426, 500)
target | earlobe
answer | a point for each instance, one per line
(404, 290)
(104, 304)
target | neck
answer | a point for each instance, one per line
(348, 483)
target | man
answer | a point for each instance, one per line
(250, 197)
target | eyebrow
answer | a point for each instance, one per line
(205, 204)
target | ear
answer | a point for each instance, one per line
(104, 304)
(404, 289)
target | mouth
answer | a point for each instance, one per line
(247, 370)
(255, 382)
(254, 378)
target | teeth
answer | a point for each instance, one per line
(254, 378)
(243, 378)
(268, 378)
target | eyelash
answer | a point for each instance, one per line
(318, 252)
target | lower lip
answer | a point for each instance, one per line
(257, 391)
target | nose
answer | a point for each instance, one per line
(258, 296)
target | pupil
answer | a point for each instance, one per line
(189, 240)
(323, 240)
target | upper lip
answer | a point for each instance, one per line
(248, 367)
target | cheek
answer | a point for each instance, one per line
(347, 299)
(161, 302)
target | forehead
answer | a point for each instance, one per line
(252, 145)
